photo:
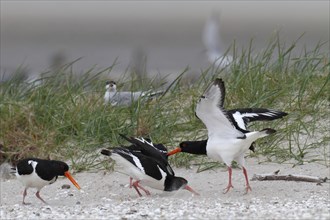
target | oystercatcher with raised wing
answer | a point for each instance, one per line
(147, 166)
(228, 139)
(239, 118)
(37, 173)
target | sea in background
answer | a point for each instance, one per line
(164, 36)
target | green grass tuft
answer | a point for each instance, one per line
(64, 117)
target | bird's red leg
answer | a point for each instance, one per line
(146, 191)
(130, 182)
(229, 184)
(38, 196)
(136, 185)
(136, 188)
(247, 188)
(24, 194)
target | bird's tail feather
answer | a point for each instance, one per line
(268, 131)
(13, 170)
(154, 94)
(260, 134)
(106, 152)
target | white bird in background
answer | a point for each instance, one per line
(213, 43)
(115, 97)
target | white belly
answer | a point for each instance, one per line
(33, 181)
(125, 167)
(153, 183)
(226, 150)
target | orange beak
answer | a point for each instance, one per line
(191, 190)
(68, 175)
(176, 150)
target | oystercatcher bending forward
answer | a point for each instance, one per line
(228, 138)
(37, 173)
(147, 166)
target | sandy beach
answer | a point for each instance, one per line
(106, 195)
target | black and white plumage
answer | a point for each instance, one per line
(117, 98)
(37, 173)
(225, 142)
(239, 117)
(137, 147)
(228, 138)
(147, 166)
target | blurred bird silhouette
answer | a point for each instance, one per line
(213, 42)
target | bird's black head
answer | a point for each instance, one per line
(62, 169)
(111, 86)
(110, 83)
(173, 183)
(59, 167)
(194, 147)
(191, 147)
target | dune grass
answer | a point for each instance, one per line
(63, 117)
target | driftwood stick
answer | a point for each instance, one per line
(289, 177)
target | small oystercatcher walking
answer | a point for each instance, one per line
(37, 173)
(148, 166)
(228, 138)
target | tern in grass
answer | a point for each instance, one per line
(125, 98)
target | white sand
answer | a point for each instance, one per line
(106, 195)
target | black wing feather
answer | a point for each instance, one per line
(260, 114)
(161, 148)
(150, 166)
(220, 83)
(23, 167)
(43, 168)
(151, 151)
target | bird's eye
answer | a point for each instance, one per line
(200, 99)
